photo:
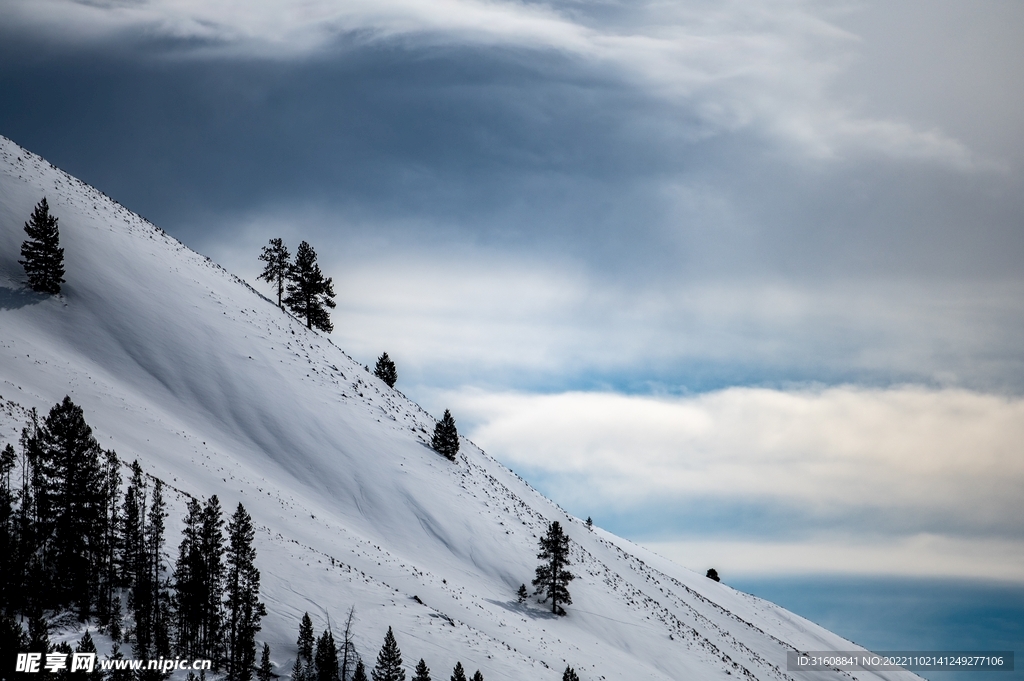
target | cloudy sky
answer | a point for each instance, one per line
(741, 280)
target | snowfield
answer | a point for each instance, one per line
(187, 368)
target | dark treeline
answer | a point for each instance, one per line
(75, 538)
(323, 659)
(78, 539)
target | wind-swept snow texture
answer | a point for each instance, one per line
(215, 390)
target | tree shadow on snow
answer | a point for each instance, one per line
(524, 609)
(14, 298)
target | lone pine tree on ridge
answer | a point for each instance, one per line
(309, 293)
(446, 437)
(552, 578)
(43, 256)
(385, 370)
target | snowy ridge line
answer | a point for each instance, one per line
(699, 617)
(732, 615)
(719, 632)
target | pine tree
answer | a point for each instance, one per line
(142, 594)
(446, 437)
(569, 674)
(278, 265)
(63, 648)
(307, 639)
(188, 573)
(87, 645)
(326, 657)
(27, 564)
(309, 294)
(422, 671)
(12, 640)
(522, 594)
(360, 673)
(9, 549)
(590, 523)
(132, 527)
(211, 584)
(116, 627)
(159, 597)
(477, 676)
(552, 578)
(298, 671)
(69, 499)
(38, 633)
(43, 256)
(385, 370)
(348, 648)
(22, 561)
(111, 537)
(458, 674)
(266, 669)
(389, 661)
(118, 674)
(242, 592)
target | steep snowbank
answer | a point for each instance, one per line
(215, 390)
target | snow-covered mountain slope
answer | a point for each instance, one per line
(184, 366)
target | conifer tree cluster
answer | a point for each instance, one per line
(70, 539)
(446, 437)
(43, 256)
(59, 529)
(552, 578)
(324, 659)
(327, 663)
(385, 370)
(309, 293)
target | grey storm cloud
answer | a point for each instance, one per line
(667, 215)
(729, 168)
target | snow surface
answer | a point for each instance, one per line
(215, 390)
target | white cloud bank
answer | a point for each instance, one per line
(734, 65)
(472, 316)
(460, 319)
(910, 460)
